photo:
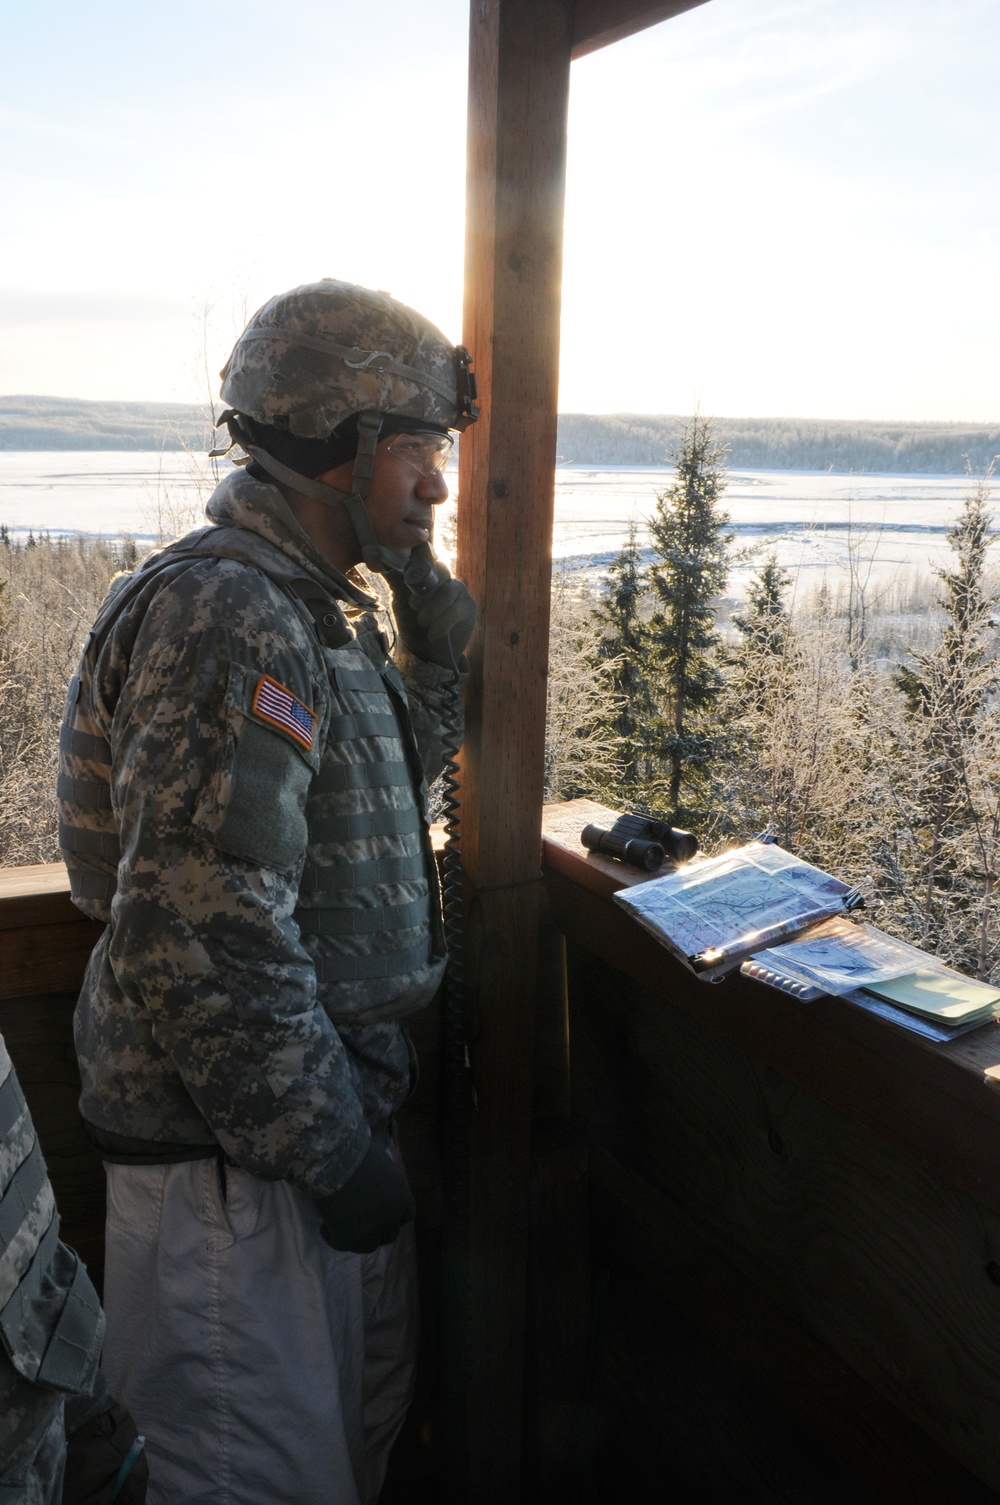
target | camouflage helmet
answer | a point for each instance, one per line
(328, 350)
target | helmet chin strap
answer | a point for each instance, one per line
(375, 555)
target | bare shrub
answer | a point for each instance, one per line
(581, 748)
(51, 591)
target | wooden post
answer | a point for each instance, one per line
(519, 83)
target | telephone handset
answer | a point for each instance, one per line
(421, 575)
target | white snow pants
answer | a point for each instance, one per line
(263, 1367)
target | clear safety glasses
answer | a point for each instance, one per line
(428, 452)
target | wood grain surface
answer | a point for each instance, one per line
(44, 940)
(596, 23)
(519, 62)
(703, 1375)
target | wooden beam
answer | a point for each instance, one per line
(519, 64)
(598, 22)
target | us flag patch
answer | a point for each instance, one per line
(273, 703)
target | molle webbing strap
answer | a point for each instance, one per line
(360, 825)
(85, 883)
(73, 1347)
(337, 778)
(355, 724)
(90, 843)
(24, 1286)
(334, 877)
(356, 679)
(83, 745)
(379, 919)
(12, 1105)
(86, 793)
(375, 964)
(357, 359)
(27, 1191)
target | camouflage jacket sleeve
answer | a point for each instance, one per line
(51, 1324)
(210, 778)
(436, 711)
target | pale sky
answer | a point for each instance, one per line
(775, 207)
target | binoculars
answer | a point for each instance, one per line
(641, 842)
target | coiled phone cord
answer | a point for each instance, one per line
(458, 1097)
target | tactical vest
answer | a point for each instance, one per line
(50, 1319)
(359, 932)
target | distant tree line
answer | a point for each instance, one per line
(784, 443)
(55, 423)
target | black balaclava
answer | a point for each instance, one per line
(313, 457)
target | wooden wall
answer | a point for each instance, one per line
(794, 1306)
(44, 945)
(730, 1203)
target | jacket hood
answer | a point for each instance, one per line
(260, 508)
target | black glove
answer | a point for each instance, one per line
(370, 1208)
(95, 1453)
(436, 625)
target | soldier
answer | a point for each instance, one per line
(243, 802)
(51, 1327)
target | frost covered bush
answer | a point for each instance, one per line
(50, 590)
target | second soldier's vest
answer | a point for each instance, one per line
(369, 904)
(50, 1319)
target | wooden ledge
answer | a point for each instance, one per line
(938, 1103)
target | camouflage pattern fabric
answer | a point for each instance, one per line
(274, 914)
(316, 355)
(51, 1325)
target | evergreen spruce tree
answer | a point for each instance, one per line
(623, 646)
(690, 568)
(950, 695)
(764, 625)
(754, 786)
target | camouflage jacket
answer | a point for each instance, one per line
(51, 1324)
(243, 799)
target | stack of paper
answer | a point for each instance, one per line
(938, 993)
(840, 955)
(879, 973)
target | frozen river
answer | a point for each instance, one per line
(811, 520)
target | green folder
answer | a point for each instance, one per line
(939, 994)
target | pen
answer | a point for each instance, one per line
(128, 1463)
(757, 940)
